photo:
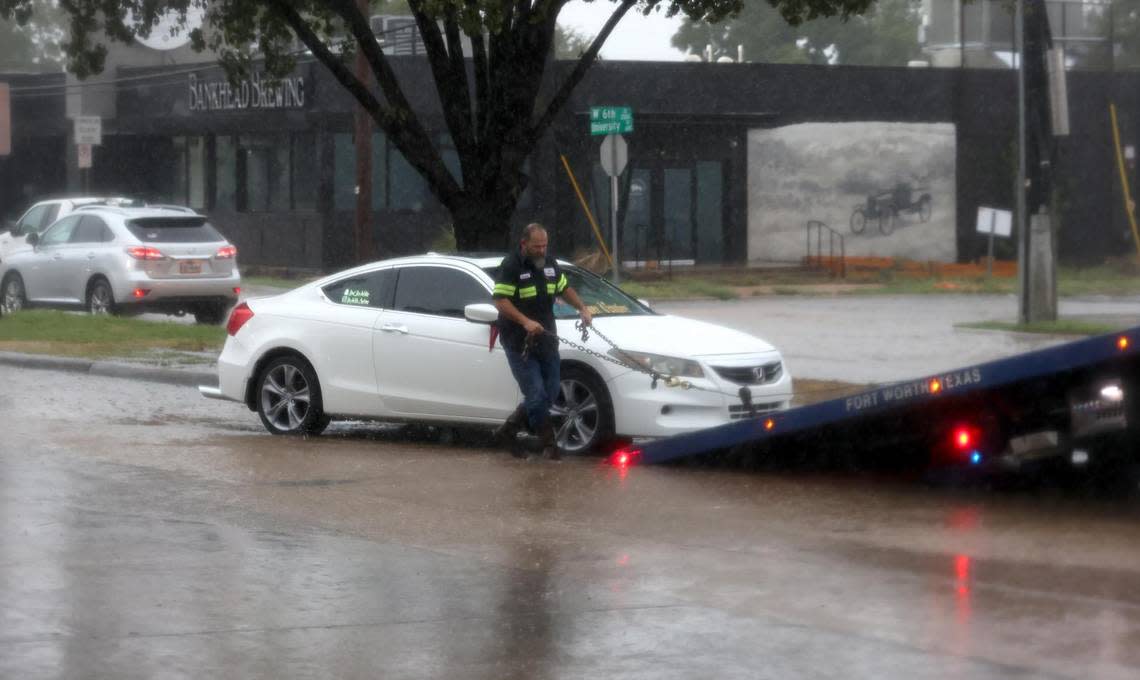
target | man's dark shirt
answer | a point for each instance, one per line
(532, 290)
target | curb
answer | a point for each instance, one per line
(109, 369)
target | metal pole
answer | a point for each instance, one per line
(1022, 218)
(614, 216)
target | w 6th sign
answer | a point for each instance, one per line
(611, 120)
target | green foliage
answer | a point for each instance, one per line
(887, 35)
(31, 37)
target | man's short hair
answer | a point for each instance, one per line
(532, 229)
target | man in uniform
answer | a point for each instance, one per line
(525, 289)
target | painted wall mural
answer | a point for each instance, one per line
(889, 188)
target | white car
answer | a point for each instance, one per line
(125, 260)
(407, 340)
(43, 214)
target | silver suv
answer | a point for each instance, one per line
(125, 260)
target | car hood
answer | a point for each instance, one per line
(668, 335)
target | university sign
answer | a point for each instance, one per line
(255, 92)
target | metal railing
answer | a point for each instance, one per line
(836, 267)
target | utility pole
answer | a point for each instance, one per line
(1022, 220)
(363, 245)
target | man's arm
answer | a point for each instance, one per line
(508, 309)
(571, 296)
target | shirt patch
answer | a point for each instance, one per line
(549, 271)
(524, 276)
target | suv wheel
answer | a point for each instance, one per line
(12, 296)
(210, 313)
(100, 299)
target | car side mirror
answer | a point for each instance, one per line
(645, 303)
(33, 238)
(481, 312)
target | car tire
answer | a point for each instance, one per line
(100, 298)
(583, 411)
(210, 314)
(288, 397)
(13, 296)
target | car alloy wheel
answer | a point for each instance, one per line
(285, 397)
(580, 412)
(14, 298)
(101, 300)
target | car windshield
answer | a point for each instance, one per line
(174, 230)
(602, 297)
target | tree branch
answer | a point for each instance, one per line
(584, 63)
(449, 72)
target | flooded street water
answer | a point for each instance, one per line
(146, 532)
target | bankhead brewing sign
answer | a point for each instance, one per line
(255, 92)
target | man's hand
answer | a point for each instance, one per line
(533, 327)
(586, 316)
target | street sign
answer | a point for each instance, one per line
(5, 121)
(994, 221)
(83, 153)
(615, 155)
(88, 130)
(611, 120)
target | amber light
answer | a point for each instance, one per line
(1122, 342)
(769, 424)
(935, 386)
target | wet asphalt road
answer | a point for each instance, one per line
(877, 339)
(148, 533)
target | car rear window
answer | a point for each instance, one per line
(174, 230)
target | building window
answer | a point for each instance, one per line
(266, 179)
(306, 171)
(225, 167)
(189, 179)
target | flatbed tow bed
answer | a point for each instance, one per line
(1073, 402)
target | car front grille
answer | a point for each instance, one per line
(740, 411)
(751, 375)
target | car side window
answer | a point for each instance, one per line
(441, 291)
(49, 217)
(372, 289)
(91, 230)
(60, 232)
(31, 221)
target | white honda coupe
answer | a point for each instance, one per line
(407, 340)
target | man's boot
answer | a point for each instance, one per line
(506, 435)
(549, 441)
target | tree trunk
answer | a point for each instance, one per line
(483, 223)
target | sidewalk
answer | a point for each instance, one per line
(189, 377)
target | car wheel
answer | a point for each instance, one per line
(210, 314)
(100, 299)
(289, 397)
(582, 412)
(13, 297)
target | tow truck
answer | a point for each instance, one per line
(1076, 403)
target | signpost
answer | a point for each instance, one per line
(613, 121)
(5, 121)
(994, 222)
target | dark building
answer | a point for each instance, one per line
(728, 162)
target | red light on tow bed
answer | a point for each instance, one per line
(624, 457)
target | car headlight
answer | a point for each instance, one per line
(661, 364)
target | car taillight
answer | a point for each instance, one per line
(145, 253)
(241, 314)
(226, 252)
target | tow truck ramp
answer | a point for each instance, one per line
(1077, 400)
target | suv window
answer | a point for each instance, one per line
(60, 232)
(437, 290)
(174, 230)
(373, 289)
(31, 221)
(91, 230)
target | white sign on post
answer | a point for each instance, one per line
(88, 130)
(615, 156)
(83, 154)
(994, 221)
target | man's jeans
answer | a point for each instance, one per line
(538, 378)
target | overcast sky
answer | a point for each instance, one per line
(636, 38)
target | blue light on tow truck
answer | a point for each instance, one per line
(975, 457)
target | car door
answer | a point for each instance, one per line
(342, 341)
(42, 276)
(88, 246)
(430, 361)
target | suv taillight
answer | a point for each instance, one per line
(145, 253)
(226, 252)
(241, 314)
